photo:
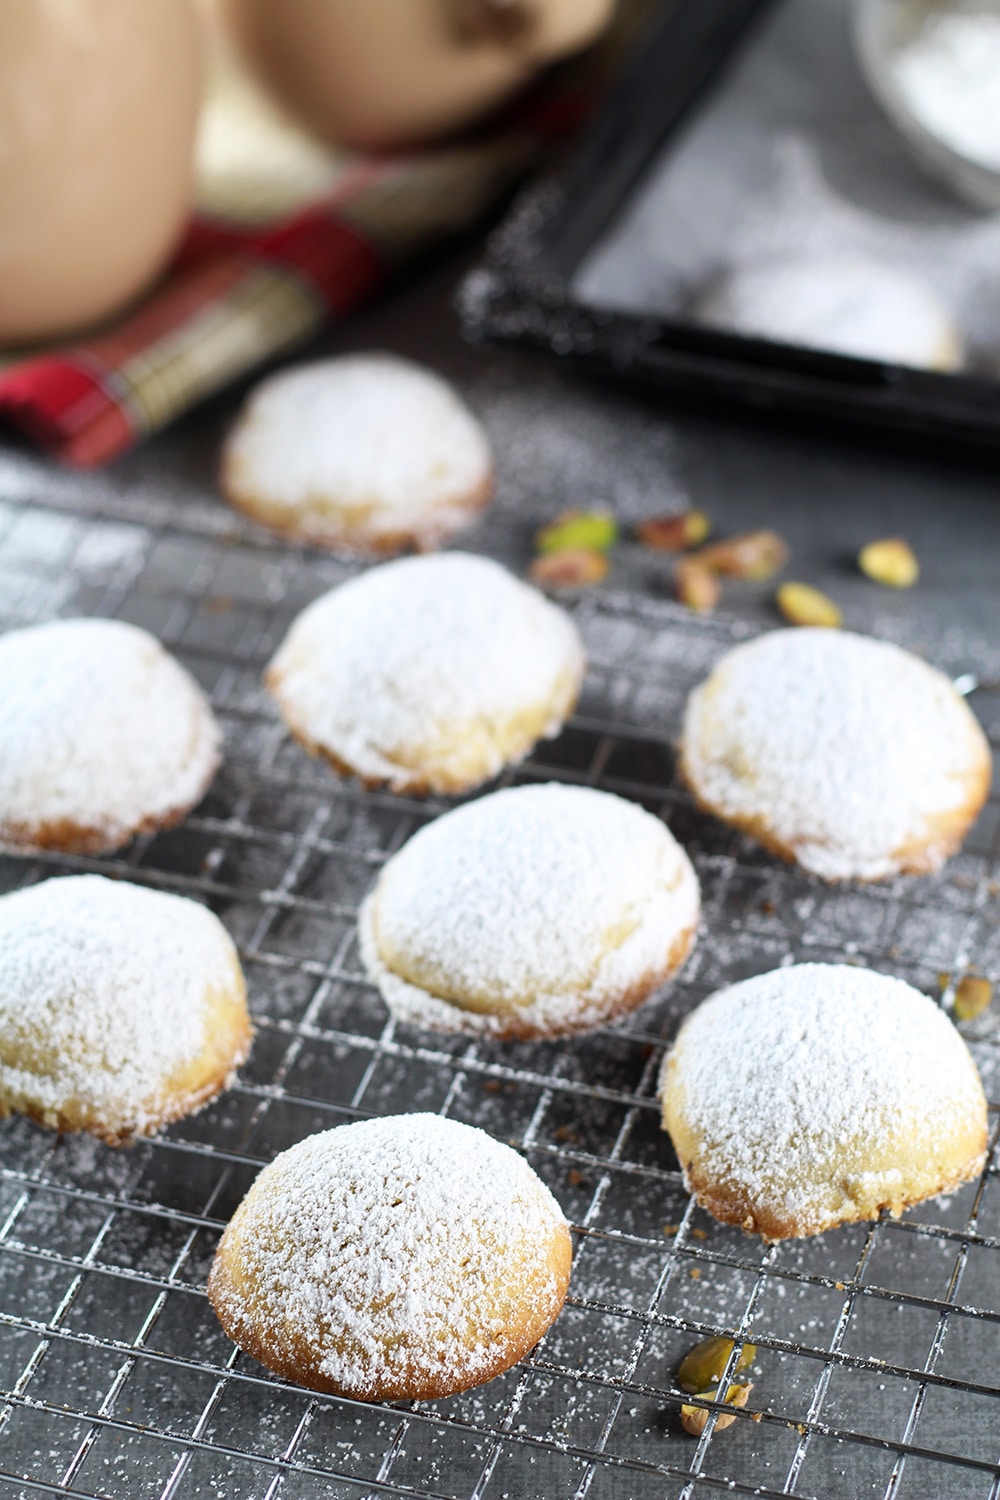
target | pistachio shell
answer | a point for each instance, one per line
(697, 586)
(694, 1419)
(703, 1365)
(592, 531)
(576, 568)
(972, 996)
(674, 533)
(756, 555)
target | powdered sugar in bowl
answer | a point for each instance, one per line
(934, 66)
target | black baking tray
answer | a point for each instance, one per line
(522, 292)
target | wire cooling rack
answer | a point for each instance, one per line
(877, 1345)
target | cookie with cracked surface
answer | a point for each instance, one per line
(537, 911)
(818, 1095)
(846, 754)
(103, 735)
(368, 453)
(402, 1258)
(429, 674)
(121, 1008)
(846, 304)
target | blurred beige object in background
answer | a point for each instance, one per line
(253, 164)
(394, 72)
(98, 107)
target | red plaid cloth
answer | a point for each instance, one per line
(236, 298)
(232, 301)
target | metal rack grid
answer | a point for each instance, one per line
(876, 1371)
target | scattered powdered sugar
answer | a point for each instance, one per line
(114, 549)
(548, 904)
(104, 990)
(948, 74)
(784, 1076)
(844, 748)
(411, 659)
(561, 445)
(371, 432)
(398, 1249)
(842, 302)
(100, 728)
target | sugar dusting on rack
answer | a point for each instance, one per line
(89, 1233)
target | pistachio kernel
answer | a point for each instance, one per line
(694, 1419)
(573, 569)
(674, 533)
(972, 996)
(755, 555)
(891, 562)
(703, 1365)
(697, 586)
(591, 530)
(803, 605)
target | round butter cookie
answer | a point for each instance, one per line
(121, 1008)
(366, 452)
(846, 754)
(534, 912)
(393, 1259)
(818, 1095)
(103, 735)
(841, 303)
(429, 674)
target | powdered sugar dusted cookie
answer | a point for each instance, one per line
(430, 673)
(818, 1095)
(409, 1257)
(536, 911)
(120, 1008)
(849, 755)
(102, 735)
(843, 303)
(366, 452)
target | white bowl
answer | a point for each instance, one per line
(881, 28)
